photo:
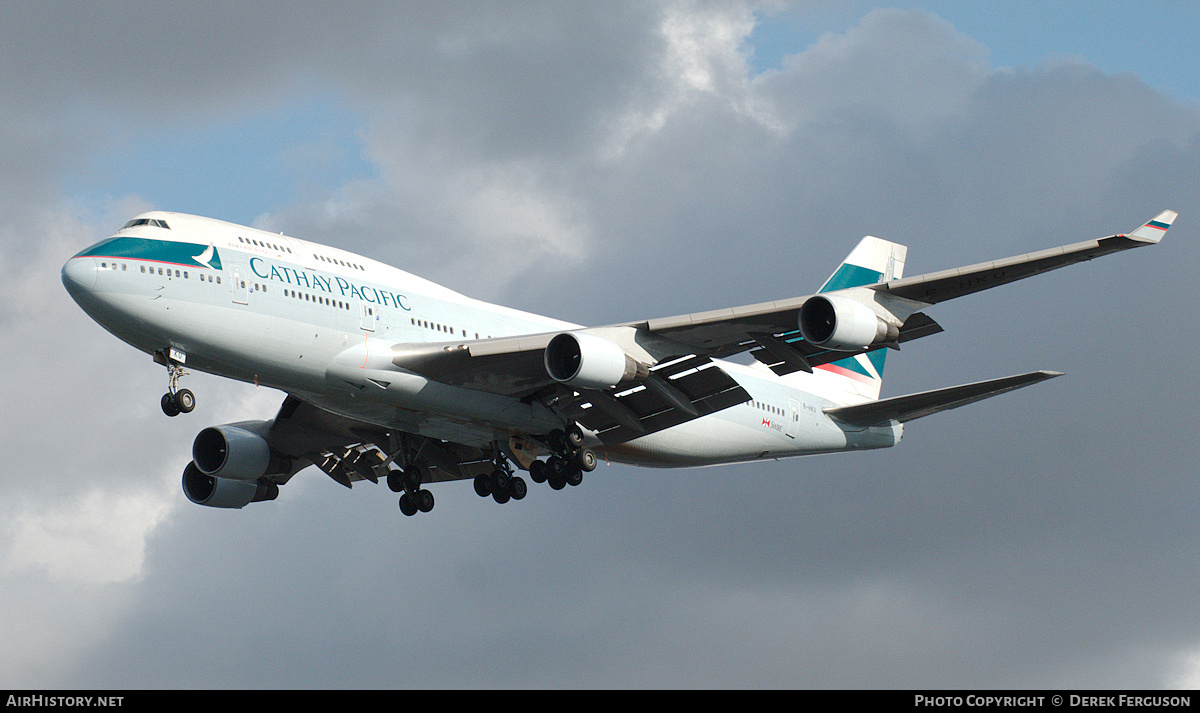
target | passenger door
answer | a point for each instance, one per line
(241, 295)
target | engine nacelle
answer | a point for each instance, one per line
(232, 452)
(587, 361)
(841, 323)
(224, 493)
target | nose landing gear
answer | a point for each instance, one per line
(176, 400)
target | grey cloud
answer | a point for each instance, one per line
(1040, 539)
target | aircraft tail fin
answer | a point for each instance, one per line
(872, 260)
(861, 376)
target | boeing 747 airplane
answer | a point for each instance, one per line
(389, 376)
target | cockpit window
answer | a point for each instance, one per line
(147, 221)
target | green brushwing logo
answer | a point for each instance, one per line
(164, 251)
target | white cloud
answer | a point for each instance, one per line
(98, 539)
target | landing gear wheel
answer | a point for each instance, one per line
(185, 401)
(573, 476)
(574, 436)
(586, 460)
(517, 488)
(538, 470)
(176, 400)
(395, 481)
(424, 500)
(483, 487)
(407, 506)
(499, 481)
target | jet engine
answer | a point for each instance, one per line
(229, 465)
(224, 493)
(841, 323)
(587, 361)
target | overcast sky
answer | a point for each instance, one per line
(603, 162)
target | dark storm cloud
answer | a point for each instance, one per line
(602, 166)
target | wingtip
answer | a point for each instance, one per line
(1153, 230)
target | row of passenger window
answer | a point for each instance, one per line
(766, 407)
(285, 249)
(442, 328)
(262, 244)
(307, 297)
(159, 270)
(343, 263)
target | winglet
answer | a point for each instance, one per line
(1154, 230)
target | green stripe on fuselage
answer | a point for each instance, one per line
(166, 251)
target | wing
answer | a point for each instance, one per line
(680, 381)
(730, 331)
(349, 450)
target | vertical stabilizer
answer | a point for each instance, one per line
(859, 378)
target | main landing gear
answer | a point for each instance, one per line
(177, 400)
(407, 481)
(501, 484)
(569, 461)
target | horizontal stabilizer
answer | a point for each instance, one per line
(913, 406)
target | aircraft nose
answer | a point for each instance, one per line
(79, 275)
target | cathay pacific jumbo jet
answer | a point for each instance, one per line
(391, 377)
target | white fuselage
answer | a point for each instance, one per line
(317, 322)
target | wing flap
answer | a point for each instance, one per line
(914, 406)
(676, 391)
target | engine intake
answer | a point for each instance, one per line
(590, 362)
(234, 452)
(224, 493)
(844, 324)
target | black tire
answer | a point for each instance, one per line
(501, 496)
(185, 401)
(517, 488)
(499, 481)
(574, 436)
(558, 441)
(573, 476)
(483, 486)
(407, 506)
(537, 471)
(586, 460)
(424, 500)
(169, 406)
(395, 481)
(414, 475)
